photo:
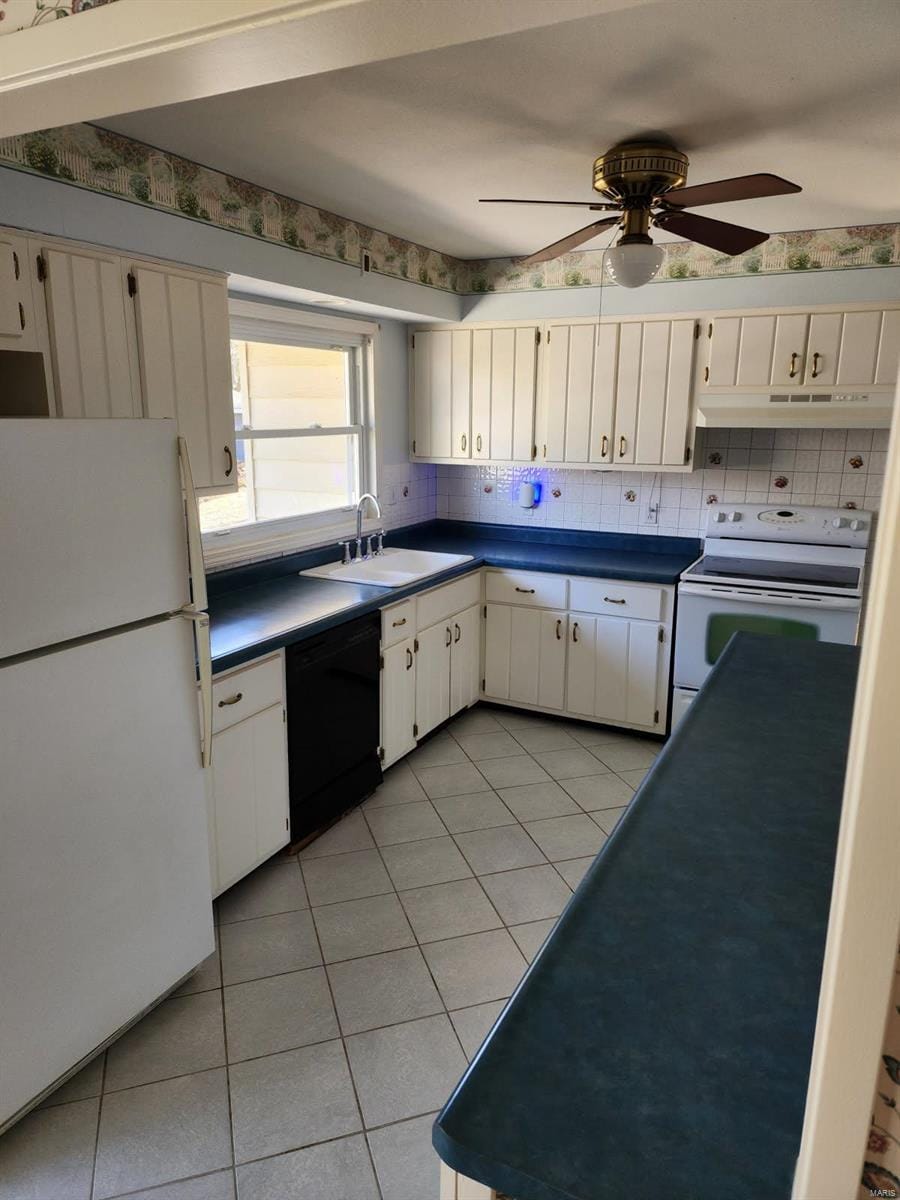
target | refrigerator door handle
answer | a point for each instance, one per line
(194, 540)
(204, 664)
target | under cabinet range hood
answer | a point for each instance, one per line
(798, 410)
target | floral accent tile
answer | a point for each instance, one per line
(90, 157)
(16, 15)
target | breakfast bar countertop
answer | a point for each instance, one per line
(661, 1040)
(254, 610)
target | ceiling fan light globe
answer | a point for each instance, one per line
(634, 264)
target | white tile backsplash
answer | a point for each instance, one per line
(733, 466)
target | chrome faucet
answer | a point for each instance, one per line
(359, 517)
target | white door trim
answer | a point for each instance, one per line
(862, 929)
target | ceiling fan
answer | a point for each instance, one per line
(645, 183)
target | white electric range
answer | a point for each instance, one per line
(795, 572)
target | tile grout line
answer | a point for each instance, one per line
(341, 1037)
(99, 1116)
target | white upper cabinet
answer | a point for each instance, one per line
(185, 363)
(473, 393)
(814, 351)
(17, 324)
(618, 394)
(90, 342)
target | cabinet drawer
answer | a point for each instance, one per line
(645, 603)
(397, 623)
(449, 599)
(248, 690)
(525, 587)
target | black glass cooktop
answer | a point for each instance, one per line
(763, 570)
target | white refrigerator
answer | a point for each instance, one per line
(104, 864)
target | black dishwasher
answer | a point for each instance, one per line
(333, 725)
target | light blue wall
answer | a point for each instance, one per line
(31, 202)
(685, 295)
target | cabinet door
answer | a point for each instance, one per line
(482, 343)
(250, 793)
(628, 385)
(822, 349)
(888, 348)
(525, 655)
(789, 349)
(568, 395)
(721, 370)
(582, 670)
(513, 362)
(398, 701)
(754, 366)
(185, 365)
(858, 355)
(433, 677)
(552, 639)
(642, 673)
(432, 390)
(13, 295)
(603, 402)
(611, 664)
(89, 343)
(497, 650)
(679, 394)
(465, 659)
(460, 393)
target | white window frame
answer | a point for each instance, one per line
(271, 322)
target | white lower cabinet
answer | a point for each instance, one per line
(465, 659)
(248, 779)
(614, 667)
(398, 701)
(587, 661)
(431, 675)
(525, 655)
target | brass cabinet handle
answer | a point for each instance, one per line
(815, 370)
(793, 368)
(575, 632)
(235, 699)
(409, 658)
(558, 628)
(449, 636)
(622, 446)
(478, 443)
(21, 315)
(611, 600)
(462, 442)
(604, 446)
(16, 264)
(230, 457)
(458, 633)
(397, 624)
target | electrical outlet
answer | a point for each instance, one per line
(390, 495)
(653, 514)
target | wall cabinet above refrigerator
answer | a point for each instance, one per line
(110, 336)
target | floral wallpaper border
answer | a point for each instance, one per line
(16, 15)
(881, 1169)
(90, 157)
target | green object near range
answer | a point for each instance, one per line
(721, 626)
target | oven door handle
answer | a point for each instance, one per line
(839, 603)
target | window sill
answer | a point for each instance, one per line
(243, 545)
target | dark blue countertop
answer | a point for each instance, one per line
(661, 1041)
(260, 608)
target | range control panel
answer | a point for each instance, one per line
(775, 523)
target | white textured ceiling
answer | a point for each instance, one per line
(807, 89)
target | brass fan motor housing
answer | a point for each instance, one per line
(634, 173)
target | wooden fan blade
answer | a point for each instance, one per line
(567, 203)
(555, 249)
(718, 235)
(742, 187)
